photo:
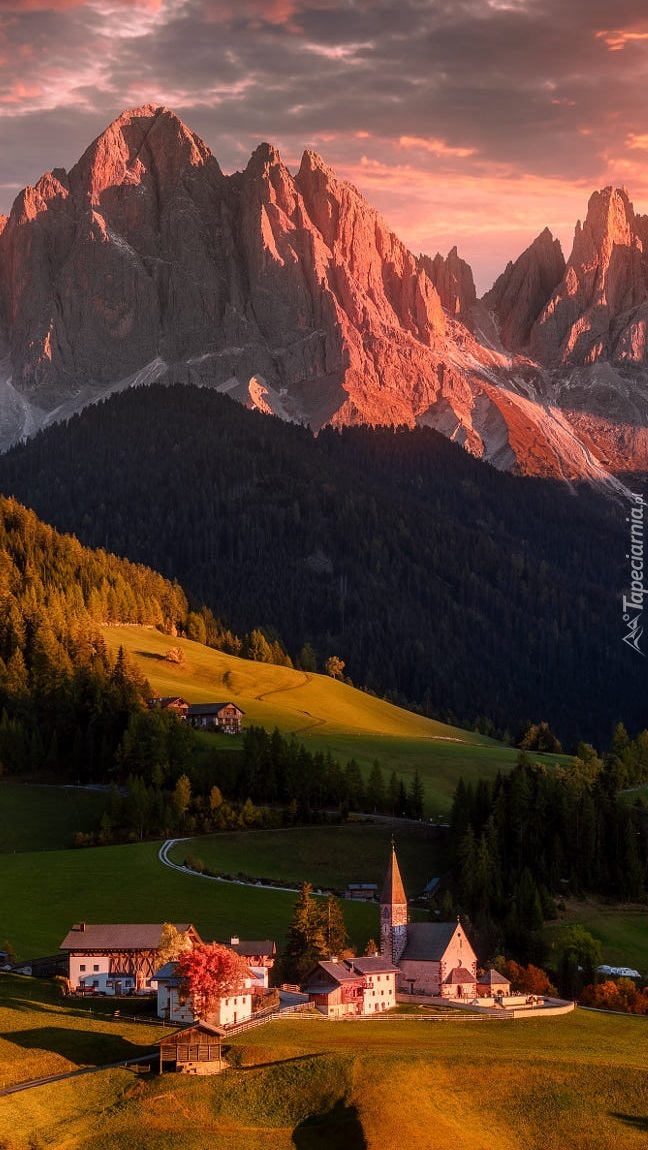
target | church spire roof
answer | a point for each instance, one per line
(393, 890)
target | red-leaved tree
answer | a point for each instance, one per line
(209, 972)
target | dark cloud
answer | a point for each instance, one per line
(407, 97)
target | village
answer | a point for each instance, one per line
(213, 991)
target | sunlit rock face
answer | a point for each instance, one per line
(291, 294)
(598, 310)
(521, 293)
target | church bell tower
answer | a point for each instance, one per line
(393, 913)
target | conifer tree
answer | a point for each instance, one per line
(306, 943)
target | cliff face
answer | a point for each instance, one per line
(292, 294)
(520, 294)
(598, 310)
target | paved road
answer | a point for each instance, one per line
(19, 1086)
(163, 855)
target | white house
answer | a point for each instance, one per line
(172, 1007)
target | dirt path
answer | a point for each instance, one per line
(293, 687)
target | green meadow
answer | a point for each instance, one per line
(45, 818)
(576, 1082)
(621, 930)
(325, 714)
(43, 894)
(325, 856)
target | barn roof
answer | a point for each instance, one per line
(428, 941)
(393, 890)
(118, 935)
(182, 1035)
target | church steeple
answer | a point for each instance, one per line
(393, 912)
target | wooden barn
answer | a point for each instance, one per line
(196, 1049)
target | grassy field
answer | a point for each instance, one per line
(621, 930)
(45, 818)
(42, 895)
(44, 1034)
(325, 856)
(576, 1082)
(325, 714)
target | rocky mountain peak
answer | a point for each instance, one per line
(453, 279)
(142, 141)
(519, 295)
(604, 279)
(293, 293)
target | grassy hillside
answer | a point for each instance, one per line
(44, 1034)
(325, 714)
(45, 818)
(621, 930)
(576, 1082)
(326, 856)
(43, 894)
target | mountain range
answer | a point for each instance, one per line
(291, 294)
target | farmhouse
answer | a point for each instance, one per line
(116, 958)
(173, 1006)
(433, 958)
(352, 987)
(260, 956)
(225, 717)
(169, 703)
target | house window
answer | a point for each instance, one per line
(95, 982)
(82, 966)
(96, 966)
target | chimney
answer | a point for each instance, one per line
(82, 926)
(234, 941)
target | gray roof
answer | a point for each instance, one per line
(210, 708)
(373, 964)
(167, 973)
(117, 936)
(493, 978)
(428, 941)
(265, 948)
(337, 972)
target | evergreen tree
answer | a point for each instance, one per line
(305, 943)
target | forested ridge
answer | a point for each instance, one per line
(438, 580)
(523, 839)
(65, 702)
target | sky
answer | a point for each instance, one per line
(467, 122)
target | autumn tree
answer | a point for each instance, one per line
(173, 943)
(334, 667)
(209, 972)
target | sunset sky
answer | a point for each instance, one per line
(475, 122)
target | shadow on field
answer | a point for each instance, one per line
(78, 1046)
(633, 1120)
(339, 1127)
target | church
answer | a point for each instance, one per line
(433, 958)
